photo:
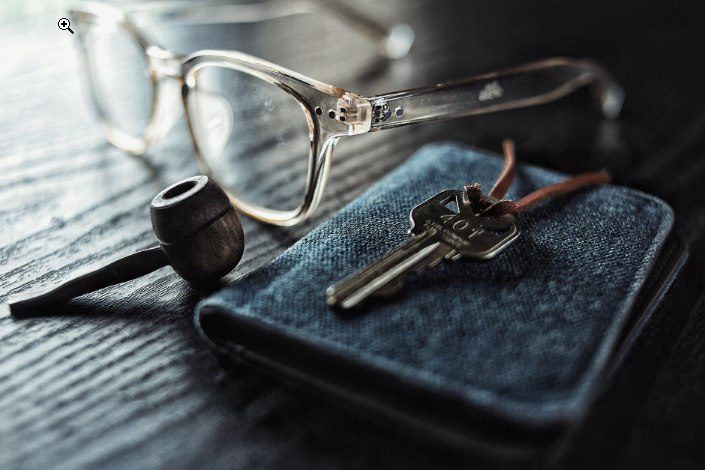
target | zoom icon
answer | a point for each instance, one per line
(64, 25)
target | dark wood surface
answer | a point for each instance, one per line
(119, 379)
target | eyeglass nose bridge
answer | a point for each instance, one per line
(164, 63)
(165, 69)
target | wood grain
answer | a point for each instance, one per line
(118, 378)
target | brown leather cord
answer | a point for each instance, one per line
(473, 194)
(507, 177)
(580, 181)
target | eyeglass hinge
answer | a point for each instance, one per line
(356, 112)
(380, 111)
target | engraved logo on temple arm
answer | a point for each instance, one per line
(491, 91)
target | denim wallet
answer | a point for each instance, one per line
(506, 354)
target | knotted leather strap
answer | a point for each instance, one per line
(486, 207)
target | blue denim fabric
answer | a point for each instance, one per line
(524, 335)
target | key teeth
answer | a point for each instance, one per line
(432, 264)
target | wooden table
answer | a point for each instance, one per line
(119, 379)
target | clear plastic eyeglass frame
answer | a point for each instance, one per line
(331, 112)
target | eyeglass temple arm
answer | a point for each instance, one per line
(527, 85)
(392, 42)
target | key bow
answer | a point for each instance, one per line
(470, 234)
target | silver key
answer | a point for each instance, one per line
(438, 233)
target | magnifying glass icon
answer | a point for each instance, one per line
(64, 25)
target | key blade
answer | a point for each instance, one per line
(374, 285)
(385, 276)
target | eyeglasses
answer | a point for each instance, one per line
(249, 118)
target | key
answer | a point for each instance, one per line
(438, 233)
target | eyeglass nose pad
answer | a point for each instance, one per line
(170, 108)
(214, 117)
